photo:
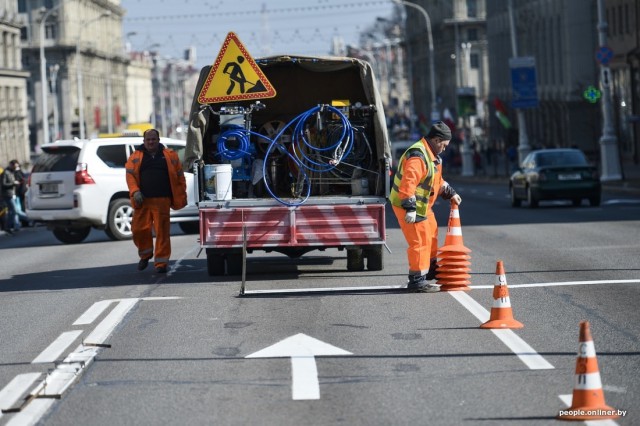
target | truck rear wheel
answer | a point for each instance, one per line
(355, 259)
(215, 264)
(234, 263)
(375, 258)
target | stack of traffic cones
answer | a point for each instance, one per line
(453, 263)
(588, 397)
(501, 312)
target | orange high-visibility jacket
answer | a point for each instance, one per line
(176, 176)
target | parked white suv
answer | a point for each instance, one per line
(79, 184)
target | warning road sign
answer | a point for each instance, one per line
(235, 76)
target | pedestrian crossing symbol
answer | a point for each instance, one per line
(234, 76)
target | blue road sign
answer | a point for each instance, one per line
(523, 82)
(604, 55)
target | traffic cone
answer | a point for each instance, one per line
(501, 312)
(453, 264)
(588, 397)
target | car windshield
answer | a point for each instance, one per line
(561, 158)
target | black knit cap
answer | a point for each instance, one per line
(440, 130)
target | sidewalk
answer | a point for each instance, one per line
(498, 173)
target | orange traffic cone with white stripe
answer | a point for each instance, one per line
(453, 265)
(501, 312)
(588, 397)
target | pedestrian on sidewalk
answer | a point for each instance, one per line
(156, 184)
(8, 185)
(416, 185)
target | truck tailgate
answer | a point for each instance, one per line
(301, 226)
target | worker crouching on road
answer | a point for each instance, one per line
(156, 184)
(416, 185)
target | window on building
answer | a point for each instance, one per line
(472, 34)
(474, 61)
(22, 6)
(51, 31)
(626, 19)
(620, 20)
(23, 33)
(472, 8)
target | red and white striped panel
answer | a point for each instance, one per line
(304, 226)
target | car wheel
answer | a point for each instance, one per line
(355, 260)
(515, 201)
(531, 199)
(375, 258)
(69, 235)
(215, 264)
(119, 220)
(595, 201)
(190, 227)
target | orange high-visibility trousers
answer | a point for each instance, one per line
(419, 236)
(433, 225)
(153, 215)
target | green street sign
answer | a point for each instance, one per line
(592, 94)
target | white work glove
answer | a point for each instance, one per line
(138, 198)
(410, 217)
(456, 199)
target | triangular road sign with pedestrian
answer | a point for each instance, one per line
(235, 76)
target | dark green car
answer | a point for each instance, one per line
(555, 174)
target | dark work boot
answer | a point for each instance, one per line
(419, 284)
(415, 281)
(433, 270)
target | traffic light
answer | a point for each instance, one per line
(75, 129)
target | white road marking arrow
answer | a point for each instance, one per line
(302, 350)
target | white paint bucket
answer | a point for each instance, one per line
(217, 181)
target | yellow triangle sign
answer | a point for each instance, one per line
(235, 76)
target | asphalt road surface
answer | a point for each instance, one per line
(100, 343)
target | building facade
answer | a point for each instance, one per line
(561, 36)
(623, 22)
(460, 64)
(14, 138)
(86, 67)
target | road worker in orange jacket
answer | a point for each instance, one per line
(416, 185)
(156, 184)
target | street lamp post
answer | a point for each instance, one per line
(43, 75)
(610, 159)
(435, 115)
(79, 73)
(53, 70)
(523, 139)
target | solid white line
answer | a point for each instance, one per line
(161, 298)
(556, 284)
(32, 413)
(326, 289)
(526, 353)
(12, 392)
(567, 399)
(93, 312)
(53, 351)
(109, 323)
(304, 378)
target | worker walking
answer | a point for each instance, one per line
(156, 184)
(416, 185)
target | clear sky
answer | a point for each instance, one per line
(273, 27)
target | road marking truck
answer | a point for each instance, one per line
(304, 168)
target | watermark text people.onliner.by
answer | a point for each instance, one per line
(598, 412)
